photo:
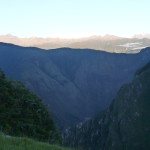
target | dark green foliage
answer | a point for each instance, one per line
(23, 114)
(2, 75)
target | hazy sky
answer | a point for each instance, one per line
(74, 18)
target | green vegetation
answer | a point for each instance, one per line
(23, 114)
(12, 143)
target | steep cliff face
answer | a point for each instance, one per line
(125, 125)
(75, 84)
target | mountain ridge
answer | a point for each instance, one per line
(75, 84)
(109, 43)
(125, 125)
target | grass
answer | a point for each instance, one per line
(15, 143)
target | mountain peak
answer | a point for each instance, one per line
(142, 35)
(8, 36)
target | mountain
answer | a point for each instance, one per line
(47, 43)
(109, 43)
(141, 36)
(115, 45)
(75, 84)
(23, 114)
(125, 125)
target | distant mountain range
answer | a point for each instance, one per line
(76, 84)
(109, 43)
(125, 125)
(142, 36)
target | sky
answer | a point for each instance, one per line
(74, 18)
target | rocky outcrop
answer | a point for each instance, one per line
(125, 125)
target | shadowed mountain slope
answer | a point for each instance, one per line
(76, 84)
(125, 125)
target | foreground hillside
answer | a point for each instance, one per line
(23, 114)
(125, 125)
(12, 143)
